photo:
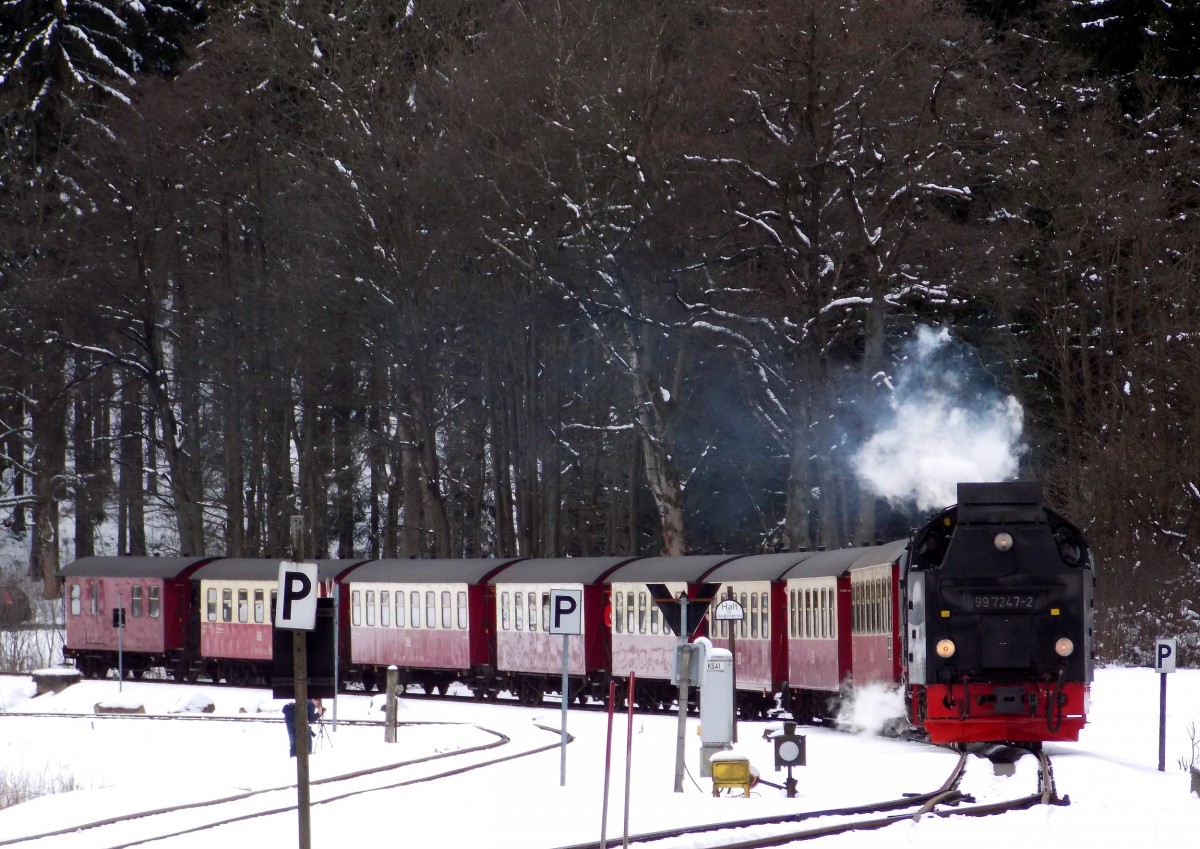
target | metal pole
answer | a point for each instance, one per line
(1162, 722)
(120, 643)
(337, 634)
(684, 682)
(612, 700)
(300, 671)
(628, 765)
(734, 624)
(562, 767)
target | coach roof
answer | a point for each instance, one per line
(131, 567)
(472, 570)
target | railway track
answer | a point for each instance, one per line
(131, 829)
(759, 832)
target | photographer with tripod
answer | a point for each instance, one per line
(316, 710)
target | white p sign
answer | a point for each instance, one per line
(296, 607)
(1164, 655)
(566, 611)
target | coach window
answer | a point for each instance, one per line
(135, 602)
(212, 605)
(533, 612)
(399, 608)
(414, 609)
(369, 607)
(227, 604)
(641, 613)
(260, 607)
(766, 616)
(430, 609)
(76, 605)
(654, 618)
(447, 610)
(630, 614)
(519, 611)
(385, 608)
(807, 612)
(744, 625)
(505, 612)
(243, 605)
(753, 614)
(94, 596)
(462, 610)
(546, 612)
(356, 608)
(619, 612)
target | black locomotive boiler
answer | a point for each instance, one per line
(997, 592)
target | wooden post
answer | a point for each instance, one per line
(300, 671)
(393, 681)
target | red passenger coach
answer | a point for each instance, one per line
(818, 620)
(432, 619)
(155, 593)
(528, 657)
(757, 642)
(876, 636)
(642, 640)
(232, 613)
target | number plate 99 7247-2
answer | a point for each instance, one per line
(1004, 602)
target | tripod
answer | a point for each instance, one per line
(322, 733)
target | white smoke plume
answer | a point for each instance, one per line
(946, 424)
(871, 709)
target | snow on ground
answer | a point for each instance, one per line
(1118, 796)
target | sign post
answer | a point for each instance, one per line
(1164, 662)
(297, 611)
(119, 624)
(566, 618)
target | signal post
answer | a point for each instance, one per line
(297, 612)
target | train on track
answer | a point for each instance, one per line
(983, 615)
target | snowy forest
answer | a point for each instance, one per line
(462, 278)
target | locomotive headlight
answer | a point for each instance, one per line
(1003, 541)
(945, 648)
(1064, 647)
